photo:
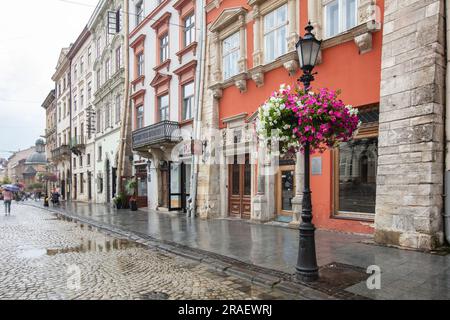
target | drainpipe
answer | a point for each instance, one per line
(70, 197)
(199, 77)
(447, 128)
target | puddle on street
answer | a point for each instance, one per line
(105, 244)
(97, 245)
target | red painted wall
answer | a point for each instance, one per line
(357, 76)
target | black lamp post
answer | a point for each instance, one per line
(308, 49)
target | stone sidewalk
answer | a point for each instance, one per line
(404, 274)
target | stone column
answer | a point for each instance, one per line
(216, 54)
(260, 208)
(409, 200)
(299, 183)
(257, 52)
(314, 15)
(293, 32)
(242, 57)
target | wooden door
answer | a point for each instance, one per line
(239, 189)
(165, 188)
(285, 190)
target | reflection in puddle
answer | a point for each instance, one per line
(86, 245)
(98, 245)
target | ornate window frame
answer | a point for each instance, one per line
(230, 21)
(368, 22)
(289, 60)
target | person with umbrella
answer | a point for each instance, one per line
(7, 199)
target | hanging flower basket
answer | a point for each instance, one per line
(293, 117)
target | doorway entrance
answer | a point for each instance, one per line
(75, 185)
(89, 185)
(239, 188)
(285, 190)
(108, 182)
(179, 184)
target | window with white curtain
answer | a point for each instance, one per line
(340, 16)
(230, 55)
(275, 33)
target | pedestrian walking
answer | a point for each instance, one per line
(7, 198)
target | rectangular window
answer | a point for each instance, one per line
(99, 121)
(118, 108)
(81, 65)
(275, 33)
(140, 64)
(230, 56)
(88, 159)
(74, 162)
(188, 101)
(163, 107)
(107, 116)
(100, 153)
(89, 91)
(89, 55)
(189, 30)
(163, 48)
(139, 117)
(99, 47)
(139, 12)
(75, 72)
(81, 160)
(81, 182)
(118, 58)
(99, 79)
(107, 69)
(75, 103)
(82, 99)
(340, 16)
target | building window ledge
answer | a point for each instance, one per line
(361, 35)
(354, 216)
(138, 80)
(190, 48)
(165, 64)
(239, 80)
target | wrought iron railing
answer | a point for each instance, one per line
(164, 131)
(78, 141)
(60, 152)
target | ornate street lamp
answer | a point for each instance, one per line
(308, 49)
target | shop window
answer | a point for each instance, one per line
(356, 170)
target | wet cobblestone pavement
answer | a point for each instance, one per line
(40, 257)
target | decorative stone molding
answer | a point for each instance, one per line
(290, 62)
(350, 35)
(364, 42)
(241, 84)
(257, 75)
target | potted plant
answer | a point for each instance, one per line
(130, 187)
(119, 200)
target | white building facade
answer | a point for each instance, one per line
(82, 140)
(108, 89)
(163, 65)
(61, 156)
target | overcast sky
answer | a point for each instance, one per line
(32, 34)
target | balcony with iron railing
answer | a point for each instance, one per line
(60, 153)
(77, 144)
(158, 133)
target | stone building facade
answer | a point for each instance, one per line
(410, 182)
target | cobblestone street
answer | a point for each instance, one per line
(41, 257)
